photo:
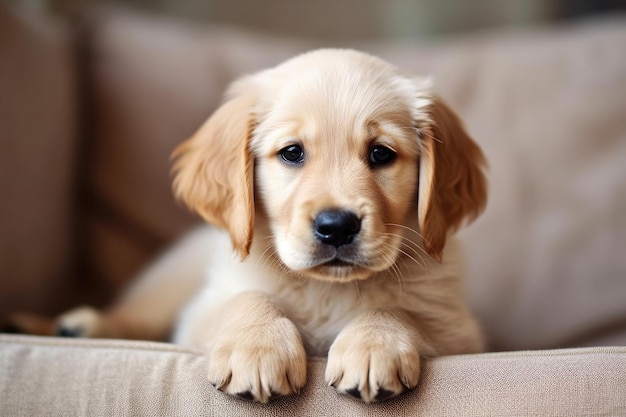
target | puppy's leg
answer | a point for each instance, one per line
(254, 351)
(27, 323)
(148, 309)
(377, 356)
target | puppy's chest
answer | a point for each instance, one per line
(321, 310)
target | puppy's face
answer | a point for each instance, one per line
(336, 166)
(353, 162)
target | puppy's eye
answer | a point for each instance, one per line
(292, 154)
(381, 155)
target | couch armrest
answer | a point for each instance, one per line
(52, 376)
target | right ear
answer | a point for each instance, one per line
(214, 169)
(452, 186)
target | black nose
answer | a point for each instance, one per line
(336, 227)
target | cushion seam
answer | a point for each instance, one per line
(117, 344)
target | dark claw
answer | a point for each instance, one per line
(67, 332)
(408, 388)
(383, 394)
(274, 395)
(245, 395)
(354, 392)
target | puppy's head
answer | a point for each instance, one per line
(353, 162)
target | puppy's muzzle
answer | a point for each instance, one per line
(336, 227)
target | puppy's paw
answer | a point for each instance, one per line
(80, 322)
(372, 368)
(259, 363)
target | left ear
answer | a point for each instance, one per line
(452, 186)
(214, 168)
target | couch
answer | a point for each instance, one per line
(92, 105)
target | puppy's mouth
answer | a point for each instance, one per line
(339, 267)
(358, 259)
(338, 263)
(348, 256)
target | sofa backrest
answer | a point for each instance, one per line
(546, 264)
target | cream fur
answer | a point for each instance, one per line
(398, 296)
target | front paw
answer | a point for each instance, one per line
(259, 363)
(80, 322)
(369, 366)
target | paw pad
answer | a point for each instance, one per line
(383, 394)
(245, 395)
(354, 392)
(63, 331)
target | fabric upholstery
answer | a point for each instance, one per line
(546, 107)
(111, 378)
(38, 129)
(154, 83)
(545, 262)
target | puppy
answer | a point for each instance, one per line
(337, 181)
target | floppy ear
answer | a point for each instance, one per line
(452, 186)
(213, 170)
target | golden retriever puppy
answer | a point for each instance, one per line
(337, 181)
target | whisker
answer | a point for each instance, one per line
(406, 238)
(357, 290)
(419, 261)
(402, 226)
(406, 228)
(267, 257)
(395, 268)
(406, 247)
(409, 244)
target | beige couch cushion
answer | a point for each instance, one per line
(140, 113)
(61, 377)
(154, 83)
(546, 260)
(546, 264)
(38, 124)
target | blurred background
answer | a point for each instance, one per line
(348, 20)
(94, 96)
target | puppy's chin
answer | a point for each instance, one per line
(337, 268)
